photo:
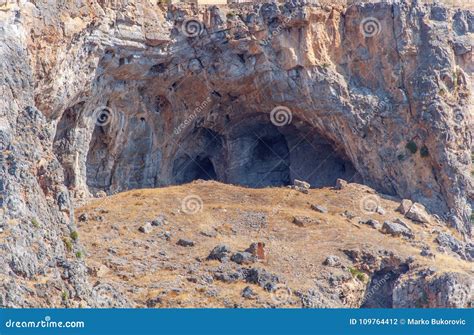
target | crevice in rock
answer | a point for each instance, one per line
(379, 293)
(65, 141)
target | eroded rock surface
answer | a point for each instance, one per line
(110, 96)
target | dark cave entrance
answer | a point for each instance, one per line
(256, 153)
(258, 157)
(250, 152)
(379, 293)
(198, 157)
(189, 169)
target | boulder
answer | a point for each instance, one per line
(243, 258)
(301, 184)
(146, 228)
(418, 213)
(448, 241)
(373, 223)
(340, 184)
(396, 229)
(332, 261)
(260, 277)
(380, 210)
(185, 243)
(248, 293)
(100, 194)
(220, 252)
(405, 206)
(349, 214)
(319, 208)
(159, 221)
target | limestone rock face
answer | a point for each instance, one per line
(450, 289)
(111, 95)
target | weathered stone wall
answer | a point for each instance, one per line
(112, 95)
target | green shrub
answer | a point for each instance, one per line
(79, 254)
(68, 244)
(401, 157)
(359, 275)
(74, 235)
(35, 223)
(65, 295)
(424, 151)
(412, 147)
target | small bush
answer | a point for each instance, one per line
(424, 151)
(359, 275)
(68, 244)
(400, 157)
(74, 235)
(78, 254)
(64, 295)
(412, 147)
(35, 223)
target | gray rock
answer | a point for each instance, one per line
(228, 276)
(401, 222)
(448, 241)
(152, 302)
(260, 277)
(243, 258)
(380, 210)
(248, 293)
(349, 214)
(469, 251)
(332, 261)
(373, 223)
(146, 228)
(185, 243)
(209, 233)
(396, 229)
(319, 208)
(426, 252)
(159, 221)
(340, 184)
(418, 213)
(405, 206)
(421, 290)
(49, 140)
(220, 252)
(301, 184)
(83, 217)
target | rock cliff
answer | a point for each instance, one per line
(107, 96)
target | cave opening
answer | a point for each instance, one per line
(189, 169)
(265, 159)
(251, 152)
(379, 293)
(254, 152)
(198, 157)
